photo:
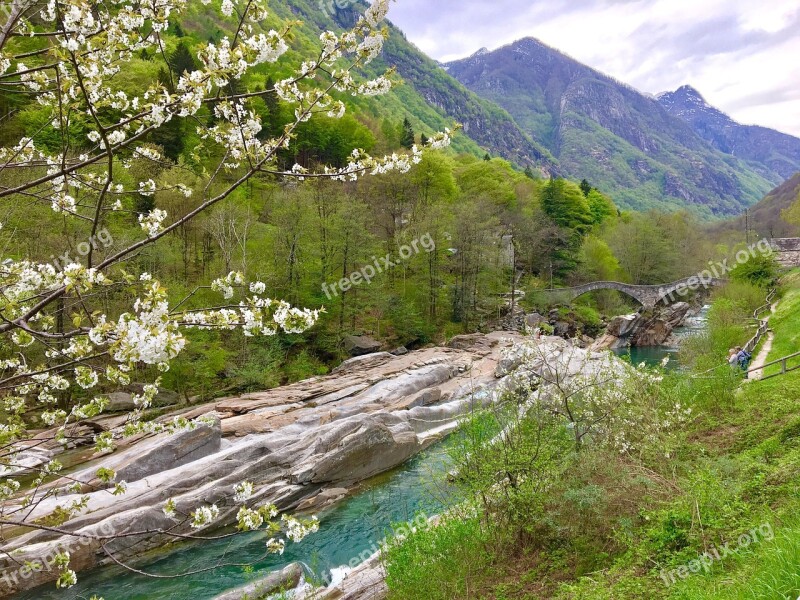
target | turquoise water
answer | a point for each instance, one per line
(353, 527)
(653, 355)
(650, 355)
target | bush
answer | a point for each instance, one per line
(761, 270)
(439, 563)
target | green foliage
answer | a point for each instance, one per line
(330, 141)
(407, 138)
(434, 560)
(181, 60)
(564, 202)
(761, 270)
(601, 207)
(597, 261)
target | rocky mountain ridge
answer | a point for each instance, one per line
(776, 153)
(625, 142)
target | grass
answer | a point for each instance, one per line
(786, 324)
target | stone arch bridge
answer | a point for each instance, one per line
(647, 295)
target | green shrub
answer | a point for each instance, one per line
(439, 563)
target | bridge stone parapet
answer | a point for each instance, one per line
(647, 295)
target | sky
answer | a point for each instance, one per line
(743, 56)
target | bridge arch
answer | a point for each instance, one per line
(647, 295)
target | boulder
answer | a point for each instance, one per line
(563, 329)
(401, 351)
(123, 400)
(120, 401)
(284, 580)
(675, 314)
(608, 342)
(471, 341)
(359, 345)
(654, 333)
(623, 325)
(26, 460)
(169, 451)
(160, 453)
(357, 449)
(534, 320)
(366, 361)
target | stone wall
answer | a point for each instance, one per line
(788, 251)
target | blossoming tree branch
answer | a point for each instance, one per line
(60, 344)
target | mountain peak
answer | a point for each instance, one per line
(630, 144)
(777, 152)
(689, 91)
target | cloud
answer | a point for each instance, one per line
(738, 53)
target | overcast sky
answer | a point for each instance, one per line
(742, 55)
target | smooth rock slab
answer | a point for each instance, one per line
(286, 579)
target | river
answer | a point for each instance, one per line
(352, 528)
(653, 355)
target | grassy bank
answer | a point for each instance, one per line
(714, 513)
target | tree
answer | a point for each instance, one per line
(761, 270)
(644, 252)
(273, 108)
(74, 332)
(586, 187)
(408, 139)
(181, 60)
(529, 172)
(567, 206)
(600, 206)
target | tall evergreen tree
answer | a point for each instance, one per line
(408, 138)
(586, 187)
(181, 60)
(273, 106)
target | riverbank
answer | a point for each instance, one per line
(304, 447)
(632, 526)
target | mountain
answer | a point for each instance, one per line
(429, 97)
(765, 217)
(622, 141)
(778, 152)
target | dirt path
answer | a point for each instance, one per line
(761, 359)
